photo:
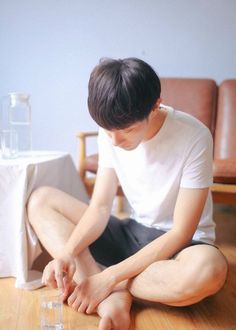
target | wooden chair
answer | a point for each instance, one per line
(87, 164)
(215, 107)
(224, 167)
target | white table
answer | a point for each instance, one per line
(19, 246)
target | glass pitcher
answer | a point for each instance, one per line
(19, 114)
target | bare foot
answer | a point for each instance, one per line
(115, 311)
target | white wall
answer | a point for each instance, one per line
(48, 48)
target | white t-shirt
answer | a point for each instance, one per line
(179, 155)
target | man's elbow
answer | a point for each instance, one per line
(183, 237)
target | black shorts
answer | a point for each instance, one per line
(123, 238)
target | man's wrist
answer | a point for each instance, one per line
(64, 253)
(111, 275)
(71, 249)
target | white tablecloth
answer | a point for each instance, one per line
(19, 246)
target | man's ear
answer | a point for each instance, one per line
(158, 102)
(157, 105)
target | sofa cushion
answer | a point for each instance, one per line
(194, 96)
(91, 163)
(225, 134)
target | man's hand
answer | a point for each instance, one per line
(91, 291)
(59, 273)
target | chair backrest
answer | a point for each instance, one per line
(197, 97)
(225, 135)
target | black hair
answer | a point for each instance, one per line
(122, 92)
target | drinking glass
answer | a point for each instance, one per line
(9, 144)
(51, 309)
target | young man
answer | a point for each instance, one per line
(163, 160)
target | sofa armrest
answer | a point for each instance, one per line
(224, 171)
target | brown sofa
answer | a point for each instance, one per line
(215, 106)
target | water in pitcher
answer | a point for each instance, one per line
(20, 122)
(24, 136)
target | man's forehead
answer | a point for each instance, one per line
(129, 127)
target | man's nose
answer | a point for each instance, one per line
(116, 138)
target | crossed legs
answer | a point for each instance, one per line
(197, 272)
(53, 215)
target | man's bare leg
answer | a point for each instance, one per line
(53, 215)
(197, 272)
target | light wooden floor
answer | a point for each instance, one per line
(19, 310)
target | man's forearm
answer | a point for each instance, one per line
(160, 249)
(89, 228)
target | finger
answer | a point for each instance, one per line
(52, 283)
(66, 283)
(45, 274)
(48, 277)
(67, 288)
(59, 275)
(70, 272)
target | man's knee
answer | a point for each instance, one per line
(39, 199)
(205, 277)
(199, 280)
(216, 272)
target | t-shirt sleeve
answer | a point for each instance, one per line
(104, 150)
(197, 170)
